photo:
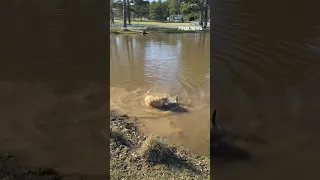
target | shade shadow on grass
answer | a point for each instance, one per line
(119, 138)
(157, 151)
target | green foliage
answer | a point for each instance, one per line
(141, 8)
(190, 10)
(117, 6)
(174, 7)
(159, 10)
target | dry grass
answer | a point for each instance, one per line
(150, 157)
(156, 150)
(119, 137)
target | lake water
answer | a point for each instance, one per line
(173, 64)
(265, 81)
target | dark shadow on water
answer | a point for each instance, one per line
(222, 147)
(227, 152)
(174, 107)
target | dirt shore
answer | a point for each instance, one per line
(135, 155)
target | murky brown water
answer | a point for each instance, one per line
(175, 64)
(265, 82)
(54, 85)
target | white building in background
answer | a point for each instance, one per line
(175, 18)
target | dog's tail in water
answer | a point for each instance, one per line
(149, 91)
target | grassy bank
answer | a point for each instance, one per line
(154, 27)
(155, 23)
(116, 30)
(139, 156)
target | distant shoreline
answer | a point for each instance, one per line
(138, 27)
(154, 30)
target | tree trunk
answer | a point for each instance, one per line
(206, 9)
(111, 14)
(201, 8)
(125, 13)
(129, 13)
(201, 18)
(112, 18)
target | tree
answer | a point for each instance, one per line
(198, 7)
(118, 8)
(124, 13)
(165, 10)
(112, 11)
(159, 10)
(129, 11)
(206, 13)
(174, 7)
(141, 8)
(190, 10)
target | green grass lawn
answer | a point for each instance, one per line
(154, 27)
(155, 23)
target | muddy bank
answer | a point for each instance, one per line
(144, 156)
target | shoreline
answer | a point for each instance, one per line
(153, 27)
(146, 156)
(116, 30)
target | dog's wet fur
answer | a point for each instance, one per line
(160, 102)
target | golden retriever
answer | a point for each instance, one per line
(155, 101)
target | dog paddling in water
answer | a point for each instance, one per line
(159, 102)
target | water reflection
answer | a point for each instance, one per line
(265, 82)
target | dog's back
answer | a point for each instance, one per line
(154, 101)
